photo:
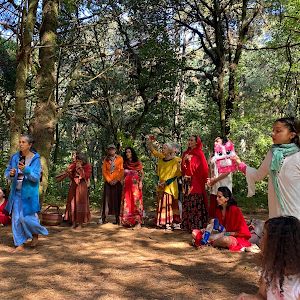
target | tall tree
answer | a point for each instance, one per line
(28, 19)
(42, 126)
(222, 28)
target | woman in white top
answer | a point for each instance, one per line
(280, 261)
(282, 163)
(217, 179)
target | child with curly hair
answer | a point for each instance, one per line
(280, 261)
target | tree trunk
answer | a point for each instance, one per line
(23, 57)
(45, 115)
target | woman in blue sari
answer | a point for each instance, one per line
(24, 173)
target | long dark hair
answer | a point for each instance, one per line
(227, 194)
(81, 156)
(294, 126)
(134, 155)
(280, 250)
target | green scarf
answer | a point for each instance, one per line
(279, 153)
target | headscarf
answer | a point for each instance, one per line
(135, 166)
(195, 151)
(279, 153)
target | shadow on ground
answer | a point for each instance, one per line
(111, 262)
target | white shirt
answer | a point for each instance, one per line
(291, 289)
(227, 181)
(288, 182)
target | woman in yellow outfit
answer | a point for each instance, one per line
(168, 170)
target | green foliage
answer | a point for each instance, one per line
(7, 66)
(122, 75)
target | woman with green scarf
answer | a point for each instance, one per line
(282, 164)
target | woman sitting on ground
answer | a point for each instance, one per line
(237, 234)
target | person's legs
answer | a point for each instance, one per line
(34, 241)
(225, 242)
(16, 226)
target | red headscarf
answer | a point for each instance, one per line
(195, 151)
(135, 166)
(196, 167)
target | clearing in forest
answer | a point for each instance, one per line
(112, 262)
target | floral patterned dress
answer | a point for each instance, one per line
(132, 208)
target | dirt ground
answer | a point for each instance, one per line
(112, 262)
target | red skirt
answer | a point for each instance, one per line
(132, 201)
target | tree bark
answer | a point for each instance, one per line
(23, 57)
(45, 114)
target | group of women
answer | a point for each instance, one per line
(187, 175)
(281, 241)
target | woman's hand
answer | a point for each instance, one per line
(21, 166)
(236, 159)
(210, 181)
(12, 172)
(78, 163)
(187, 178)
(140, 185)
(188, 157)
(162, 184)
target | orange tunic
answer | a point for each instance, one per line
(118, 172)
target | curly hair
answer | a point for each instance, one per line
(280, 250)
(133, 153)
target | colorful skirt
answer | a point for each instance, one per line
(167, 209)
(132, 208)
(194, 212)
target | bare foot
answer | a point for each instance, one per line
(34, 241)
(20, 248)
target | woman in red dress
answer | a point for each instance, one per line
(237, 233)
(4, 219)
(132, 208)
(77, 208)
(194, 169)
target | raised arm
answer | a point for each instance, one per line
(253, 175)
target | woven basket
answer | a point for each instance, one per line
(51, 218)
